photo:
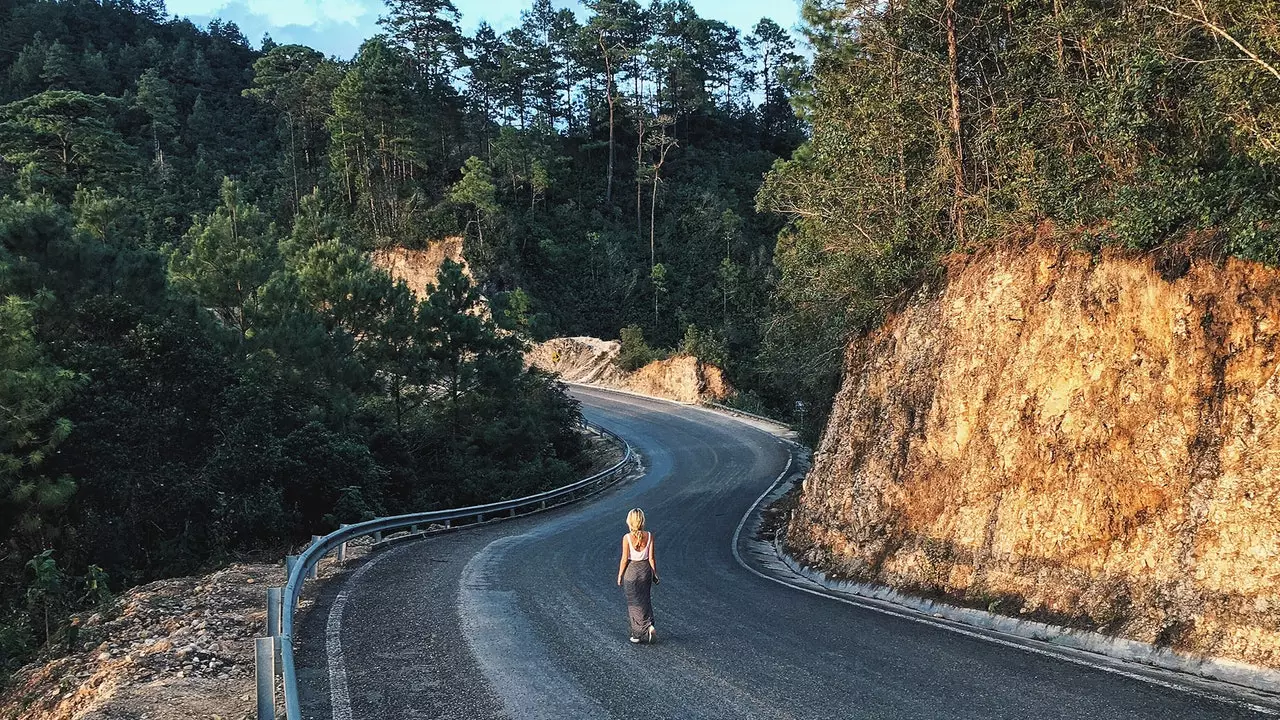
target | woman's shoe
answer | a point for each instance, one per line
(635, 639)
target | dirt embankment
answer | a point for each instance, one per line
(594, 362)
(1091, 442)
(419, 267)
(170, 650)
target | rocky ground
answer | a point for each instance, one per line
(180, 648)
(176, 649)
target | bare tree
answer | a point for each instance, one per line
(612, 98)
(659, 146)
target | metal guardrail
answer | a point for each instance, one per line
(279, 639)
(739, 411)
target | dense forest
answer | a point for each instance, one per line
(197, 357)
(940, 126)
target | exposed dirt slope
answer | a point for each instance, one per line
(592, 361)
(169, 650)
(419, 267)
(1084, 441)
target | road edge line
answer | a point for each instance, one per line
(339, 692)
(1096, 661)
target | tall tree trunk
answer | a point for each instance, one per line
(608, 91)
(653, 211)
(957, 159)
(293, 160)
(640, 129)
(665, 143)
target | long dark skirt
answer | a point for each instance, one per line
(637, 583)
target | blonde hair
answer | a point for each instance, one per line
(635, 521)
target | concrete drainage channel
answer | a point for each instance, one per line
(282, 602)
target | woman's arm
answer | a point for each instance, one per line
(622, 564)
(653, 559)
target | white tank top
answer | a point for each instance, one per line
(638, 555)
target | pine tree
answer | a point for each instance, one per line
(428, 30)
(59, 70)
(226, 258)
(155, 98)
(476, 192)
(296, 80)
(32, 392)
(484, 79)
(62, 138)
(375, 135)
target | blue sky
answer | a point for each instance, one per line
(337, 27)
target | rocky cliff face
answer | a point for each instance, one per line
(591, 361)
(1088, 442)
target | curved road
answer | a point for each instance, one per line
(522, 619)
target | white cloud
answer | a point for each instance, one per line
(339, 26)
(501, 14)
(280, 13)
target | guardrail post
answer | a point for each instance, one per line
(513, 512)
(377, 536)
(413, 528)
(313, 572)
(273, 611)
(448, 523)
(544, 504)
(289, 562)
(265, 654)
(342, 549)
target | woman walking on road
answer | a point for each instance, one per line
(637, 574)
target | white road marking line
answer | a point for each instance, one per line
(520, 671)
(339, 694)
(908, 615)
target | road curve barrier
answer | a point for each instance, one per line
(739, 411)
(282, 602)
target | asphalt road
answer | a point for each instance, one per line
(522, 619)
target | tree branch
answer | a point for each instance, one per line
(1206, 22)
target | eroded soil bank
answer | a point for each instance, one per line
(418, 267)
(1088, 441)
(594, 362)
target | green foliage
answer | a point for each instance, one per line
(46, 595)
(192, 319)
(706, 345)
(61, 138)
(226, 259)
(375, 142)
(32, 391)
(475, 192)
(514, 311)
(156, 98)
(634, 352)
(1136, 124)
